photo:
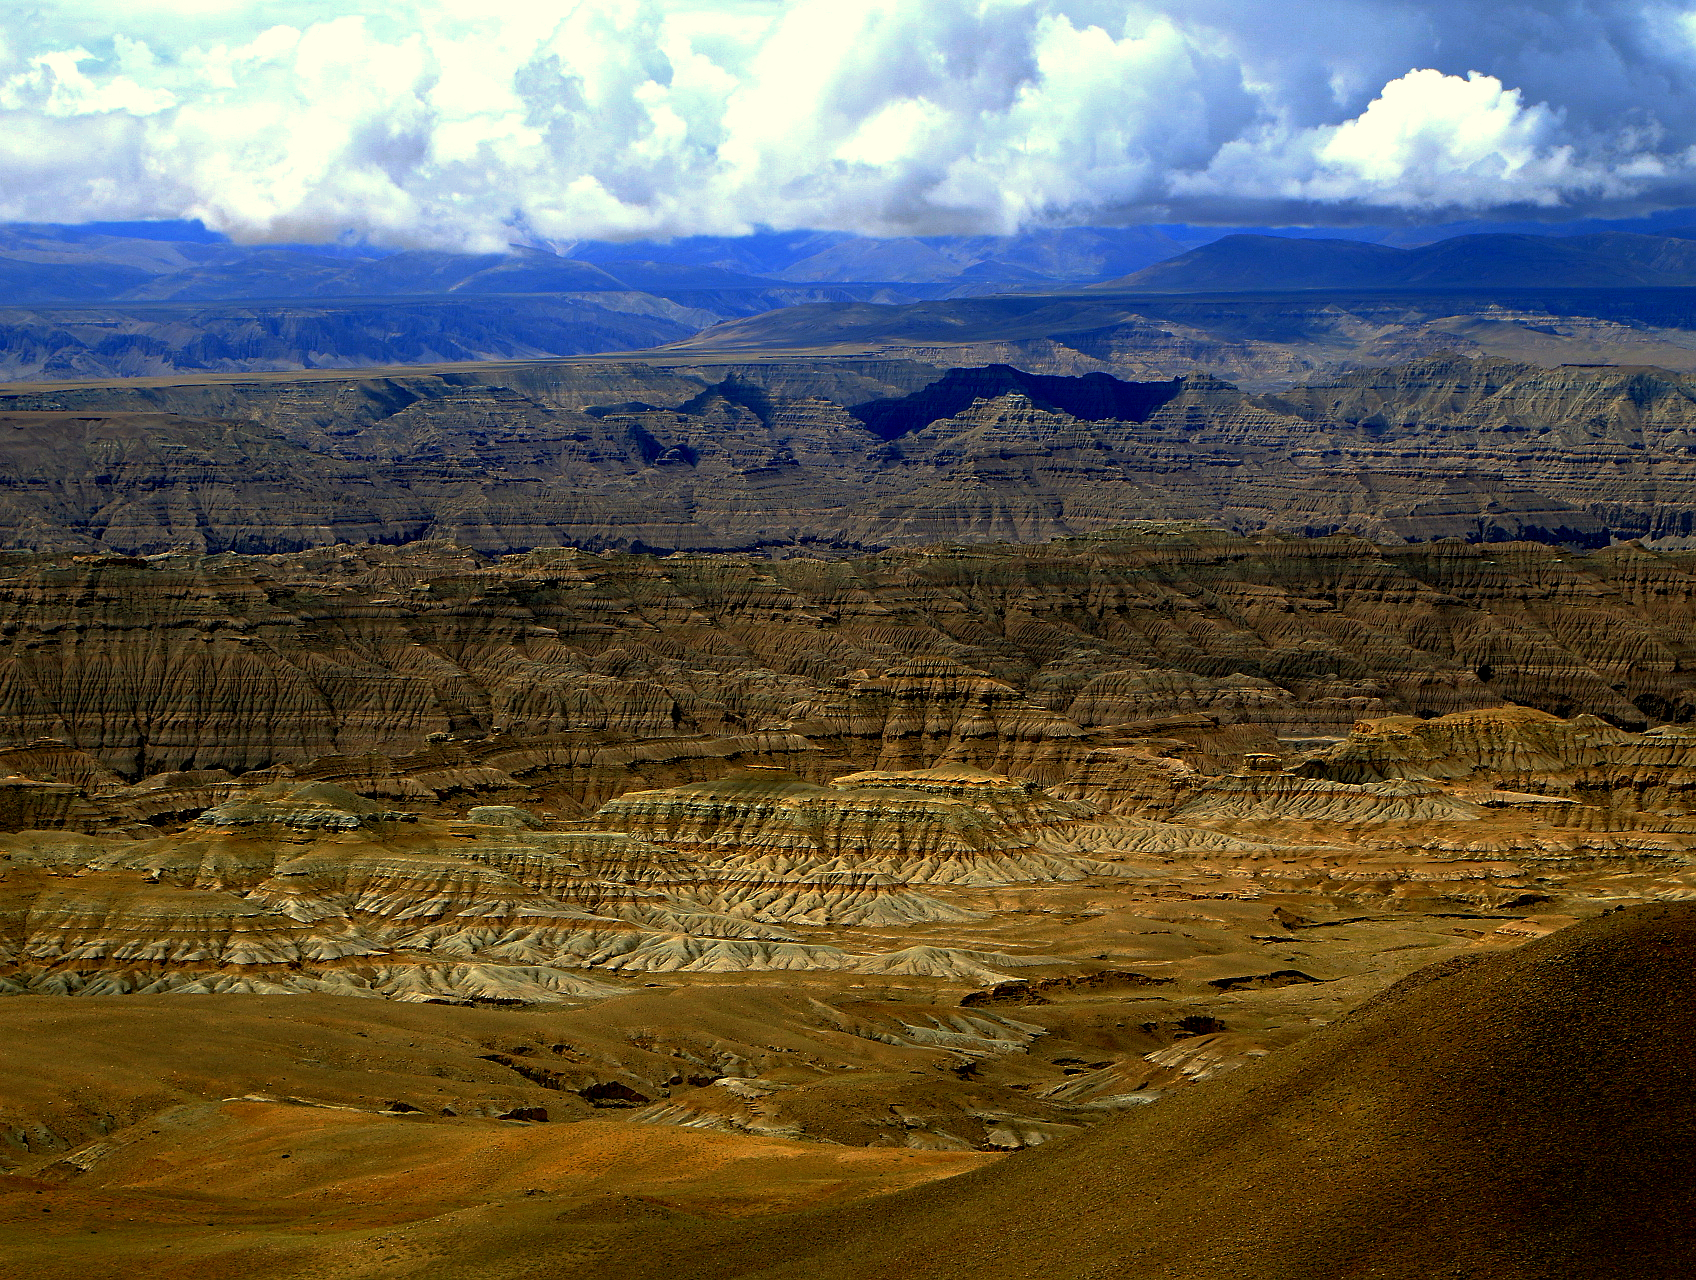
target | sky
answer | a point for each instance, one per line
(468, 124)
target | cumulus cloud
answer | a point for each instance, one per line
(464, 124)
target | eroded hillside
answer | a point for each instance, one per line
(1025, 660)
(720, 886)
(845, 456)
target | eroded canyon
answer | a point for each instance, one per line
(710, 885)
(716, 452)
(526, 819)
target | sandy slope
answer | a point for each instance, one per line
(1523, 1114)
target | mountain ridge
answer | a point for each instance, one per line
(830, 458)
(1251, 262)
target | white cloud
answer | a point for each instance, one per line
(1428, 142)
(460, 123)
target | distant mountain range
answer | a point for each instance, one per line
(127, 263)
(1070, 254)
(38, 264)
(1242, 262)
(138, 300)
(131, 263)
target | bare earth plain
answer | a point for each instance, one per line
(1160, 900)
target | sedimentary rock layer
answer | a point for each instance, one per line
(304, 886)
(850, 455)
(411, 673)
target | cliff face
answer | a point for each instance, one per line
(413, 671)
(246, 773)
(306, 887)
(1635, 780)
(953, 826)
(850, 455)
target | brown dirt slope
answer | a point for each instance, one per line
(1521, 1116)
(1528, 1114)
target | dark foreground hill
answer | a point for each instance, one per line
(1526, 1115)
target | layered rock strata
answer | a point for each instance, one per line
(971, 830)
(1520, 757)
(426, 671)
(823, 456)
(307, 887)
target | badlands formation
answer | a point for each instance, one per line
(423, 912)
(715, 451)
